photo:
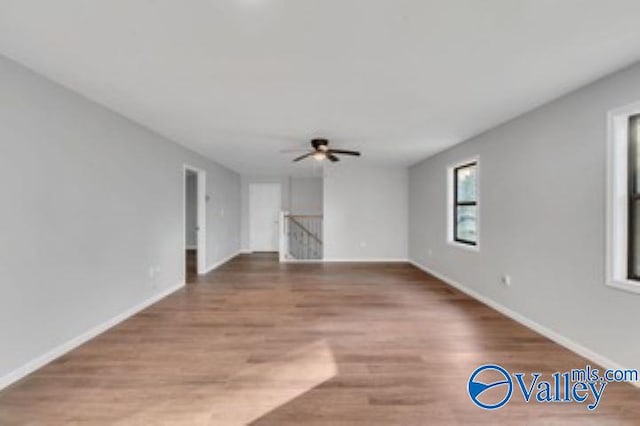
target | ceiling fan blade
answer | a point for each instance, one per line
(332, 157)
(344, 151)
(302, 157)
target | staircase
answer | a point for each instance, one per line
(301, 237)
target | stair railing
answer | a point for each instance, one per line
(302, 235)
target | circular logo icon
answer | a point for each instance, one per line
(486, 378)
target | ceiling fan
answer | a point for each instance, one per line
(321, 151)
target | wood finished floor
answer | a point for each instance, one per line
(260, 343)
(191, 265)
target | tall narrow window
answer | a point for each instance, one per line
(633, 232)
(623, 198)
(465, 204)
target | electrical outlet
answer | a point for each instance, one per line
(153, 271)
(429, 252)
(505, 280)
(154, 274)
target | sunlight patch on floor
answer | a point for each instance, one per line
(249, 394)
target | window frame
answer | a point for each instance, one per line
(453, 204)
(633, 195)
(620, 190)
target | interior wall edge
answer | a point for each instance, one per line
(222, 262)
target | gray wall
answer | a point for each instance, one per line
(542, 219)
(90, 201)
(365, 213)
(306, 196)
(191, 199)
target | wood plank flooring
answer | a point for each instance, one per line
(191, 265)
(260, 343)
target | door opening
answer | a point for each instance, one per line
(194, 223)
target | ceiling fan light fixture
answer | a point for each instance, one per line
(319, 156)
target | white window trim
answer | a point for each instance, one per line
(617, 198)
(450, 237)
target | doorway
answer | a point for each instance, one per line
(194, 222)
(265, 203)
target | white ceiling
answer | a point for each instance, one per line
(239, 80)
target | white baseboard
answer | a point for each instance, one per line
(245, 251)
(221, 262)
(366, 260)
(292, 260)
(58, 351)
(345, 260)
(546, 332)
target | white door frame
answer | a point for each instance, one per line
(202, 216)
(279, 185)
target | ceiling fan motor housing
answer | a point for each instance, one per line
(318, 143)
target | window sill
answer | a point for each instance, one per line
(626, 285)
(463, 246)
